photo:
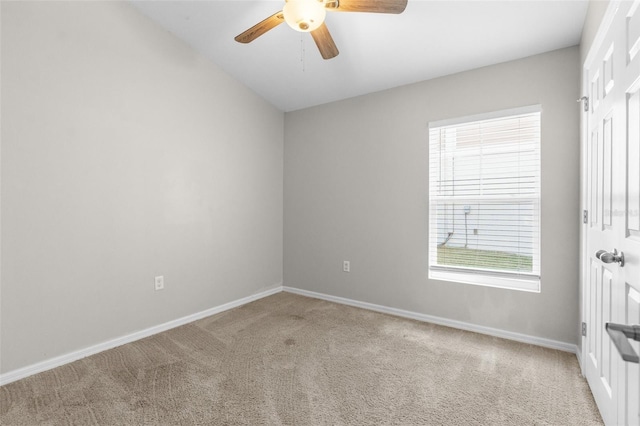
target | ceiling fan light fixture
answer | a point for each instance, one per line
(304, 15)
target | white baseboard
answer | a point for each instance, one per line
(39, 367)
(538, 341)
(579, 356)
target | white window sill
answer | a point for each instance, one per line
(531, 284)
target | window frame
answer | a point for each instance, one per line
(523, 281)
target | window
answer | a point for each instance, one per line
(484, 199)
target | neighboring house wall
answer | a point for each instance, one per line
(356, 188)
(125, 155)
(457, 228)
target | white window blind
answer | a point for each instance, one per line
(484, 196)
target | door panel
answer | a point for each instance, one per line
(607, 67)
(611, 291)
(630, 235)
(594, 155)
(607, 376)
(607, 167)
(632, 28)
(633, 160)
(601, 363)
(632, 391)
(592, 342)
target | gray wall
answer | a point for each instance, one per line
(356, 189)
(125, 155)
(595, 13)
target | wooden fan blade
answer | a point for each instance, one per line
(375, 6)
(324, 41)
(260, 28)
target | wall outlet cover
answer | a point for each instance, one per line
(159, 283)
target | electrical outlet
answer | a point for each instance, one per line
(159, 283)
(346, 266)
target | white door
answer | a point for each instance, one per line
(611, 292)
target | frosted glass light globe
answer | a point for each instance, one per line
(304, 15)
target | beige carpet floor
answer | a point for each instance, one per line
(292, 360)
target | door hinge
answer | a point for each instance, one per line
(584, 329)
(585, 216)
(586, 102)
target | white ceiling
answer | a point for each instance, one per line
(377, 51)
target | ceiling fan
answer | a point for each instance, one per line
(308, 16)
